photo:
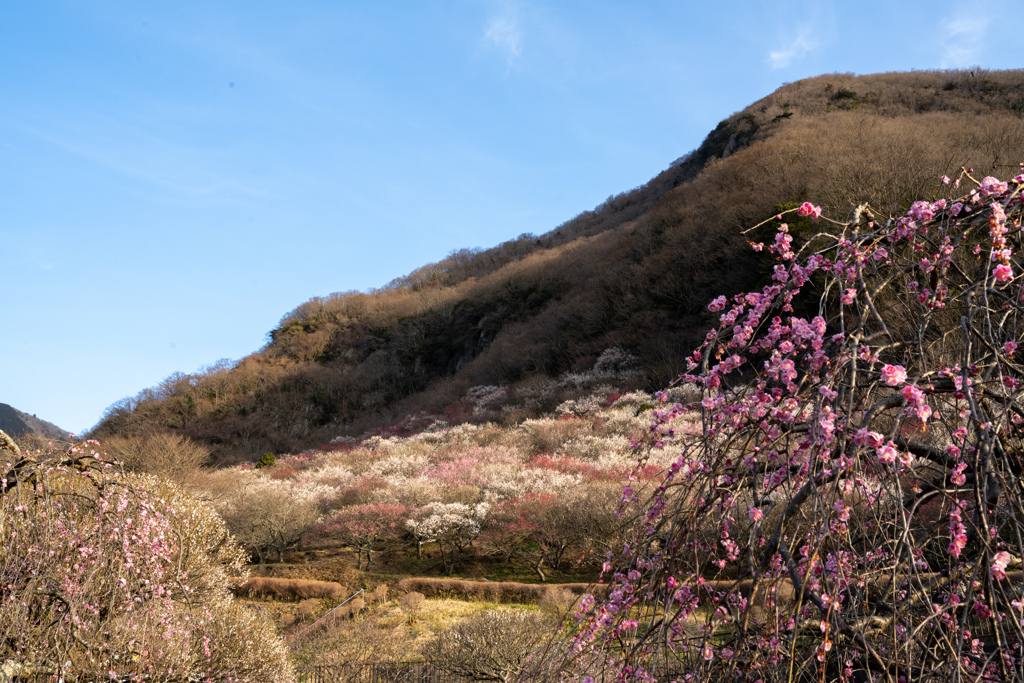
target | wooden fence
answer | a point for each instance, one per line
(353, 672)
(368, 672)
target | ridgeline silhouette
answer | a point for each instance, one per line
(635, 274)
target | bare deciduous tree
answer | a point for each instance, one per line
(496, 646)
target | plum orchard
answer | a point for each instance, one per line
(854, 507)
(106, 576)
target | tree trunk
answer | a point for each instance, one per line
(279, 545)
(359, 556)
(537, 569)
(449, 559)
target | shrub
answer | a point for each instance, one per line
(496, 646)
(287, 589)
(411, 602)
(356, 605)
(306, 609)
(379, 594)
(266, 460)
(163, 454)
(121, 574)
(556, 602)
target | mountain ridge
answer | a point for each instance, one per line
(635, 274)
(17, 424)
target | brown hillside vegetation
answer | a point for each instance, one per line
(287, 589)
(494, 591)
(635, 274)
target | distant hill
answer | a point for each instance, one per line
(17, 424)
(634, 274)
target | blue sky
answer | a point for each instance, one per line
(176, 177)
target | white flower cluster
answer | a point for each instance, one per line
(634, 399)
(615, 361)
(396, 465)
(414, 491)
(449, 522)
(299, 491)
(512, 480)
(592, 447)
(579, 406)
(484, 394)
(330, 476)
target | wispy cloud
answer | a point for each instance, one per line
(503, 31)
(963, 37)
(797, 47)
(174, 172)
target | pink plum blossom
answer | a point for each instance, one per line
(894, 375)
(887, 453)
(997, 568)
(990, 185)
(808, 209)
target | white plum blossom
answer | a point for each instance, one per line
(510, 480)
(397, 465)
(449, 522)
(332, 476)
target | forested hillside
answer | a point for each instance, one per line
(19, 424)
(626, 284)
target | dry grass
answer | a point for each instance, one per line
(386, 633)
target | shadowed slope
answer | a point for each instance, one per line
(635, 273)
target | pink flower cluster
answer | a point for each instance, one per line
(808, 209)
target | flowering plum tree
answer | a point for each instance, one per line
(853, 508)
(453, 526)
(120, 577)
(509, 527)
(363, 526)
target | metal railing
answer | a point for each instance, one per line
(361, 591)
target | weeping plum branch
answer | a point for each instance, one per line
(853, 507)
